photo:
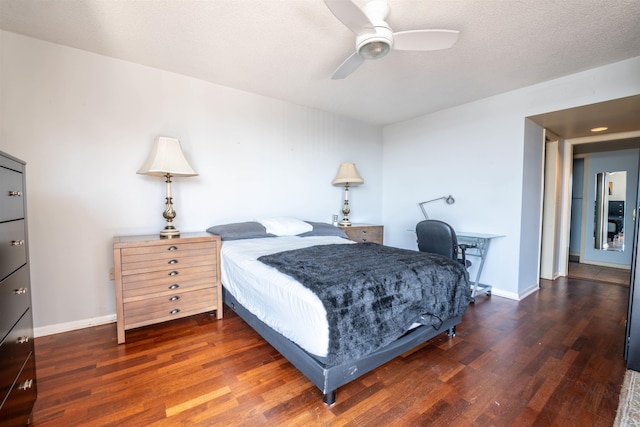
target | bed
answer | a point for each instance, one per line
(334, 308)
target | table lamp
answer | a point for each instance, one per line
(166, 160)
(347, 175)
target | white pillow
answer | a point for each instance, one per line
(285, 226)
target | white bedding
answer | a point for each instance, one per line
(275, 298)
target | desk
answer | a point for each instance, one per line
(478, 247)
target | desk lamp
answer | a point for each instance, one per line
(166, 160)
(449, 199)
(347, 175)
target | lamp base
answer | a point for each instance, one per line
(345, 223)
(169, 233)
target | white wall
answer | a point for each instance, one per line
(480, 153)
(85, 123)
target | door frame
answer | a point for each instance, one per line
(564, 209)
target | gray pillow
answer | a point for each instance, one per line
(240, 230)
(324, 229)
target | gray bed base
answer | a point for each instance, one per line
(328, 379)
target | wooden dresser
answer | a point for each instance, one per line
(164, 279)
(18, 389)
(365, 233)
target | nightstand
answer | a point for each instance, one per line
(164, 279)
(365, 233)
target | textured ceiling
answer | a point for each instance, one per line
(289, 49)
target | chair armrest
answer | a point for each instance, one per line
(463, 252)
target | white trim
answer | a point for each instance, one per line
(72, 326)
(514, 296)
(530, 290)
(565, 208)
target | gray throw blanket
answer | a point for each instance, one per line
(372, 293)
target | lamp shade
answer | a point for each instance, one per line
(166, 158)
(348, 174)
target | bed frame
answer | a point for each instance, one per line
(328, 379)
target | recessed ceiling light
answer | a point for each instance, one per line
(599, 129)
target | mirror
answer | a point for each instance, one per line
(611, 191)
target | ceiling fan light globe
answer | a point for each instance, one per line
(374, 49)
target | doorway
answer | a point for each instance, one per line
(603, 199)
(574, 126)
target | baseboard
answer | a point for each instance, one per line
(530, 290)
(111, 318)
(72, 326)
(515, 296)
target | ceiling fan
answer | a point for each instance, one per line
(374, 37)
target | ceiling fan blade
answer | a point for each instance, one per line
(424, 39)
(351, 16)
(347, 67)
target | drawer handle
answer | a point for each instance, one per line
(174, 298)
(173, 273)
(17, 242)
(174, 286)
(23, 340)
(364, 231)
(15, 193)
(26, 385)
(175, 311)
(172, 248)
(364, 240)
(173, 261)
(20, 291)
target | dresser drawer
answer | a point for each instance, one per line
(15, 297)
(168, 280)
(159, 309)
(170, 250)
(364, 233)
(13, 247)
(14, 351)
(11, 195)
(16, 409)
(168, 263)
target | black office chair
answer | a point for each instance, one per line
(440, 238)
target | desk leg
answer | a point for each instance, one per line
(483, 248)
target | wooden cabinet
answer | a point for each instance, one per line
(18, 388)
(365, 233)
(164, 279)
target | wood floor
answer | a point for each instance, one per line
(616, 276)
(555, 358)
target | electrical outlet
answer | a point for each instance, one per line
(112, 273)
